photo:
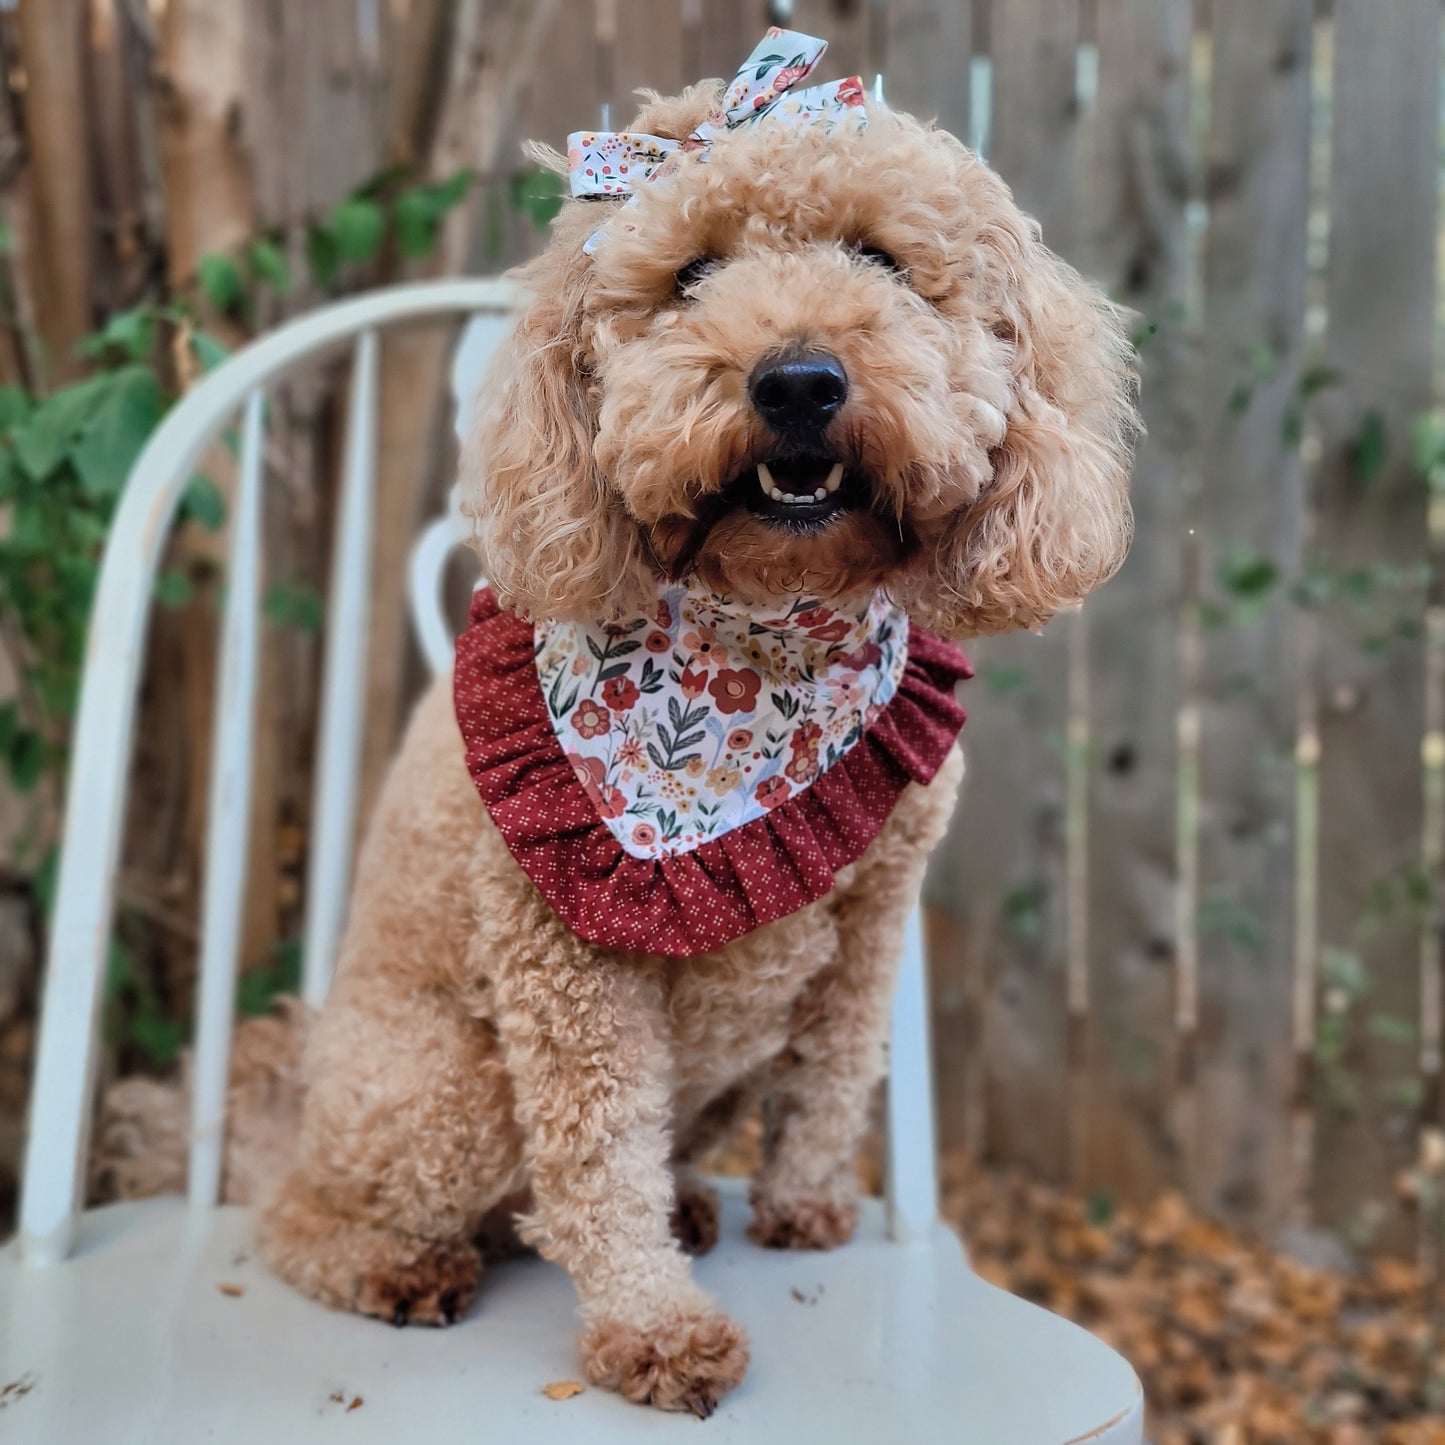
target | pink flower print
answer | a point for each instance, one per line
(739, 739)
(620, 693)
(657, 641)
(835, 631)
(693, 683)
(630, 754)
(850, 91)
(806, 738)
(723, 780)
(735, 689)
(772, 792)
(644, 835)
(864, 657)
(664, 614)
(704, 646)
(579, 665)
(610, 801)
(590, 771)
(788, 75)
(696, 767)
(812, 617)
(802, 767)
(590, 721)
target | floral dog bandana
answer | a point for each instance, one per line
(676, 779)
(608, 164)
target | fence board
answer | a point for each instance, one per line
(844, 25)
(1372, 513)
(724, 33)
(926, 55)
(648, 54)
(1257, 187)
(1136, 195)
(1004, 860)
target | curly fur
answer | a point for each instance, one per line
(992, 397)
(476, 1060)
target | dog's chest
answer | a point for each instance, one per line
(733, 1010)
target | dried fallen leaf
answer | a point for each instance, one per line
(232, 1291)
(563, 1389)
(356, 1404)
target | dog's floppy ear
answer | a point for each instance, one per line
(1054, 522)
(552, 539)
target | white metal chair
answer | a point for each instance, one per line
(153, 1322)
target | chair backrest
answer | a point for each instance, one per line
(68, 1042)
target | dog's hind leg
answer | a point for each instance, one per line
(407, 1142)
(369, 1268)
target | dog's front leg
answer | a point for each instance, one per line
(805, 1195)
(587, 1047)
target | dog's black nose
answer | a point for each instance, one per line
(800, 392)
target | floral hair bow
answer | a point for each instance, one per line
(607, 164)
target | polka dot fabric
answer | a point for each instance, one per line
(689, 902)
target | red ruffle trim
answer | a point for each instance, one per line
(688, 903)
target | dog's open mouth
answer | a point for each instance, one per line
(797, 490)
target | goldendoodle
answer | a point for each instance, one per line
(774, 429)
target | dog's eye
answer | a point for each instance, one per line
(879, 257)
(694, 272)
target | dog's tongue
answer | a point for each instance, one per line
(800, 479)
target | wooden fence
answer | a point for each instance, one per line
(1185, 929)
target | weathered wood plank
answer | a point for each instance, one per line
(649, 52)
(926, 55)
(719, 38)
(1136, 193)
(1372, 516)
(1257, 188)
(844, 25)
(1002, 867)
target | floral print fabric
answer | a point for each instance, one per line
(614, 163)
(702, 715)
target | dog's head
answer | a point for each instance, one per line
(816, 362)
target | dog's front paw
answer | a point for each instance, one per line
(432, 1287)
(689, 1363)
(808, 1223)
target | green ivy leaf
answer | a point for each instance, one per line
(204, 504)
(1392, 1028)
(417, 220)
(357, 226)
(26, 759)
(16, 407)
(323, 256)
(221, 282)
(295, 605)
(538, 195)
(209, 351)
(117, 430)
(1342, 968)
(1371, 449)
(268, 264)
(44, 441)
(132, 333)
(173, 588)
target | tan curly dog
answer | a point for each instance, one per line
(476, 1058)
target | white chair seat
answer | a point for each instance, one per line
(131, 1340)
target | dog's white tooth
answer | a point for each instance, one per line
(835, 478)
(820, 494)
(777, 494)
(765, 480)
